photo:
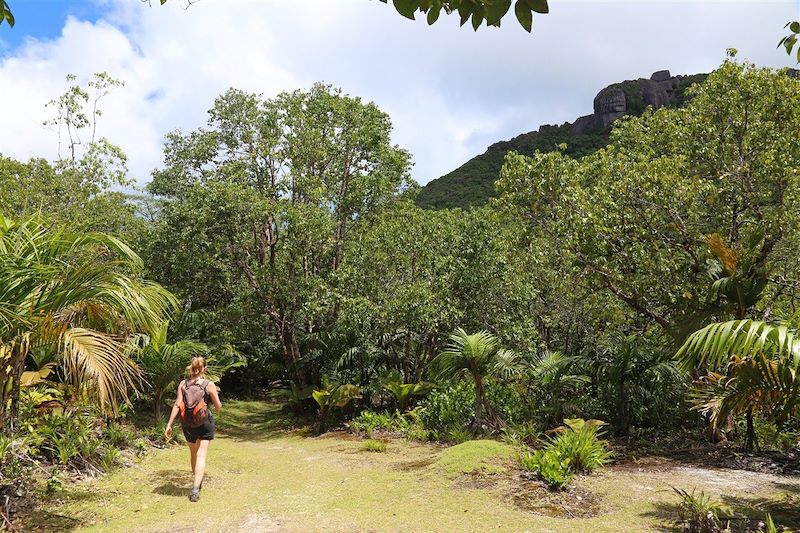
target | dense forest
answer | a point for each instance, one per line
(646, 277)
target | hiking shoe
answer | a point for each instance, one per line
(194, 495)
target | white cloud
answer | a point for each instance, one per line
(450, 92)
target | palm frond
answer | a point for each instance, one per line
(715, 344)
(96, 358)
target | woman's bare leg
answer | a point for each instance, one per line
(193, 451)
(200, 462)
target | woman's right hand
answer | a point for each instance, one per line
(168, 432)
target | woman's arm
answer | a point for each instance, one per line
(214, 395)
(174, 413)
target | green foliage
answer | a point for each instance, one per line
(477, 12)
(477, 357)
(404, 392)
(473, 183)
(254, 204)
(772, 436)
(372, 445)
(551, 466)
(751, 367)
(788, 41)
(769, 525)
(632, 220)
(368, 421)
(108, 458)
(332, 395)
(639, 383)
(699, 512)
(579, 444)
(576, 449)
(447, 410)
(75, 296)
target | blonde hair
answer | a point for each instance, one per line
(197, 367)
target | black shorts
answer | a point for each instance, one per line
(204, 432)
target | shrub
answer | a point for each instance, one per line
(508, 403)
(118, 436)
(578, 442)
(699, 513)
(447, 410)
(368, 421)
(576, 449)
(521, 435)
(458, 435)
(550, 465)
(108, 458)
(372, 445)
(771, 437)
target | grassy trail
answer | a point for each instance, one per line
(263, 479)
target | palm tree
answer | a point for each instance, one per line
(751, 366)
(78, 296)
(476, 357)
(164, 363)
(630, 372)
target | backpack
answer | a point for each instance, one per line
(193, 407)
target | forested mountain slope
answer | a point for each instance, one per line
(472, 184)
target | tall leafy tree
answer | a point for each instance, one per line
(264, 203)
(634, 220)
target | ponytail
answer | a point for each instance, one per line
(197, 367)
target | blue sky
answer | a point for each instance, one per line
(44, 19)
(449, 91)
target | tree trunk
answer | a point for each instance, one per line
(291, 351)
(751, 438)
(17, 364)
(159, 399)
(478, 402)
(623, 419)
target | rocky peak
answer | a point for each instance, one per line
(630, 97)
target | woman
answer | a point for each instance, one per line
(198, 435)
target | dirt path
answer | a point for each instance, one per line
(262, 479)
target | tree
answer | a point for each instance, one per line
(264, 204)
(478, 12)
(476, 357)
(749, 366)
(77, 296)
(634, 220)
(164, 363)
(80, 188)
(635, 378)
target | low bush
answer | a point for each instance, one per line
(368, 421)
(576, 449)
(578, 442)
(406, 423)
(520, 435)
(700, 513)
(373, 445)
(447, 411)
(550, 465)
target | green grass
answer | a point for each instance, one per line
(475, 456)
(265, 476)
(373, 445)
